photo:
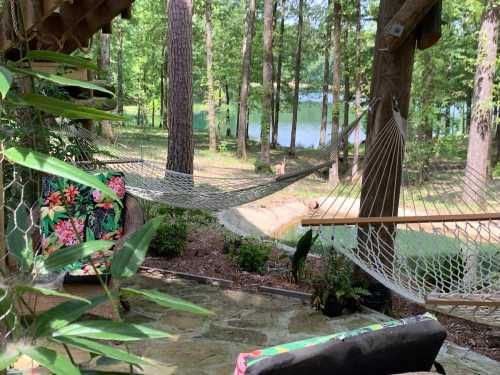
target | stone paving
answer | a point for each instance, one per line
(246, 321)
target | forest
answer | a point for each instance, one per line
(322, 53)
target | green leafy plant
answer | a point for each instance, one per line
(34, 336)
(252, 255)
(335, 289)
(304, 245)
(171, 239)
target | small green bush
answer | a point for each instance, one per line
(171, 240)
(252, 256)
(261, 167)
(496, 171)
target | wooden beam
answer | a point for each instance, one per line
(429, 31)
(400, 219)
(405, 21)
(455, 300)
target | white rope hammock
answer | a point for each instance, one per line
(215, 189)
(439, 248)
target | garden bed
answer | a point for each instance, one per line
(205, 255)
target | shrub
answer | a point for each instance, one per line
(170, 240)
(252, 256)
(496, 170)
(261, 167)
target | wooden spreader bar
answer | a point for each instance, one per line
(399, 219)
(111, 161)
(451, 300)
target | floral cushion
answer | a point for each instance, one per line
(93, 217)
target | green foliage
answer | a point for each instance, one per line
(170, 240)
(61, 58)
(496, 171)
(5, 81)
(69, 255)
(51, 360)
(261, 167)
(337, 284)
(304, 245)
(252, 255)
(128, 260)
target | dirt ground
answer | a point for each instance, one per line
(205, 256)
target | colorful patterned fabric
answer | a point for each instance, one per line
(246, 360)
(93, 217)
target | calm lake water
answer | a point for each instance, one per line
(308, 126)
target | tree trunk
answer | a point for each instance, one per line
(228, 104)
(357, 83)
(210, 77)
(347, 97)
(469, 110)
(326, 76)
(333, 178)
(267, 82)
(392, 76)
(119, 73)
(245, 78)
(497, 158)
(104, 64)
(180, 67)
(164, 112)
(277, 97)
(296, 89)
(481, 129)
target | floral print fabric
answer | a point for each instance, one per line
(71, 213)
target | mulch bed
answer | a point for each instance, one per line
(205, 256)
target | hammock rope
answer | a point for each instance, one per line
(213, 189)
(439, 248)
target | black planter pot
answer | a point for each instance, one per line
(332, 308)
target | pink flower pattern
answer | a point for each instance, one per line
(66, 233)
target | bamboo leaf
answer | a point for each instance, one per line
(61, 80)
(69, 255)
(128, 260)
(56, 167)
(62, 58)
(67, 109)
(102, 349)
(7, 358)
(64, 314)
(108, 330)
(51, 360)
(165, 300)
(22, 288)
(97, 372)
(5, 81)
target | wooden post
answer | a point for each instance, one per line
(404, 22)
(429, 30)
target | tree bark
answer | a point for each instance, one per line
(347, 97)
(277, 97)
(267, 81)
(245, 78)
(119, 73)
(296, 84)
(480, 135)
(326, 76)
(210, 77)
(180, 67)
(392, 76)
(333, 178)
(497, 158)
(357, 83)
(228, 103)
(164, 112)
(104, 64)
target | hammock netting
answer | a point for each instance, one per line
(439, 246)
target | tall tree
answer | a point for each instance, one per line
(296, 81)
(245, 77)
(326, 75)
(481, 129)
(277, 97)
(210, 77)
(333, 178)
(104, 59)
(347, 95)
(180, 69)
(267, 82)
(119, 71)
(357, 83)
(164, 72)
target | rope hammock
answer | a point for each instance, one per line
(437, 242)
(212, 189)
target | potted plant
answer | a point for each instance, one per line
(335, 291)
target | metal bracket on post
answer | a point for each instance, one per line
(396, 30)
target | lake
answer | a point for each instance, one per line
(308, 125)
